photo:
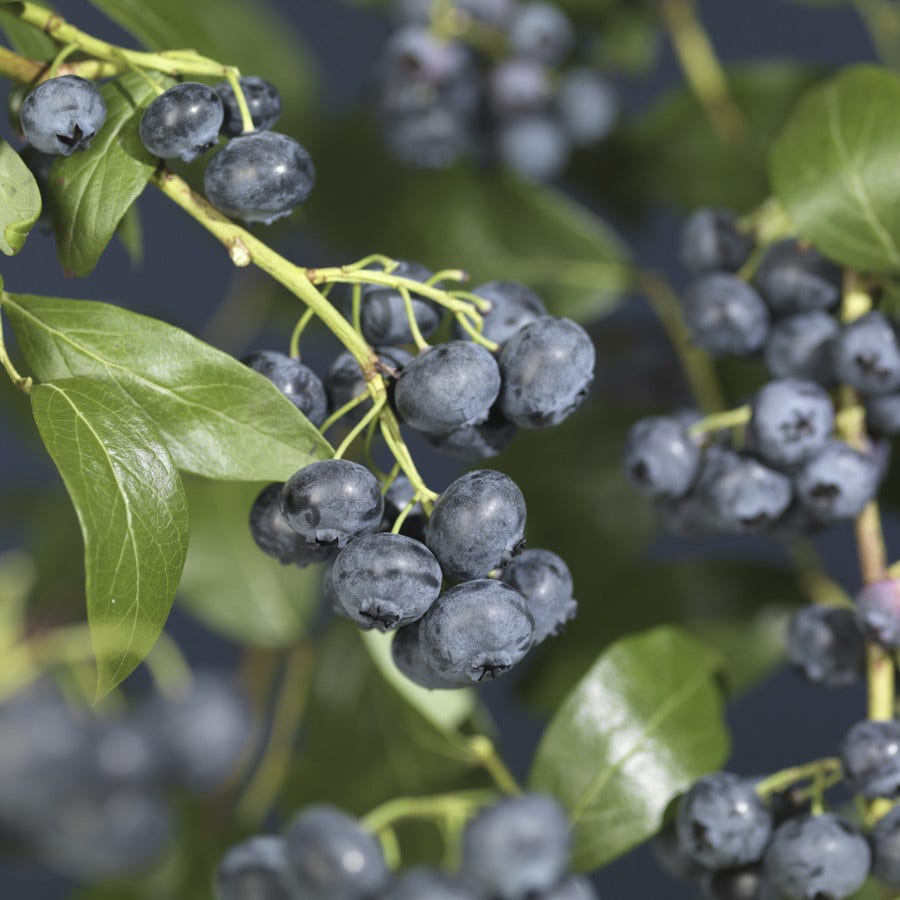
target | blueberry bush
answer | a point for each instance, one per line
(471, 436)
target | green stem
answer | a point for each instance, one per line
(297, 333)
(485, 753)
(433, 808)
(417, 336)
(358, 429)
(786, 778)
(404, 514)
(21, 382)
(731, 418)
(390, 431)
(234, 79)
(343, 410)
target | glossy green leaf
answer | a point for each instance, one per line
(26, 39)
(218, 418)
(645, 722)
(20, 200)
(252, 36)
(229, 584)
(677, 156)
(834, 169)
(90, 192)
(492, 226)
(132, 511)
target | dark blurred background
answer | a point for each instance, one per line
(186, 280)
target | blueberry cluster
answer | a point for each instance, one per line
(485, 79)
(515, 849)
(86, 794)
(788, 473)
(394, 555)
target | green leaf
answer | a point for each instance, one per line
(229, 584)
(679, 157)
(643, 724)
(252, 36)
(132, 511)
(26, 39)
(493, 226)
(20, 200)
(834, 169)
(90, 192)
(131, 235)
(218, 418)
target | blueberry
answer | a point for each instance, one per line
(330, 501)
(476, 632)
(672, 857)
(711, 241)
(541, 31)
(722, 822)
(128, 752)
(825, 643)
(661, 459)
(513, 306)
(344, 380)
(818, 858)
(742, 883)
(332, 857)
(473, 443)
(256, 869)
(547, 368)
(574, 887)
(534, 146)
(725, 316)
(867, 355)
(448, 386)
(385, 580)
(396, 497)
(383, 315)
(296, 381)
(274, 536)
(517, 847)
(477, 525)
(793, 278)
(259, 177)
(883, 415)
(837, 483)
(263, 100)
(886, 849)
(418, 60)
(791, 421)
(429, 884)
(744, 495)
(491, 12)
(543, 579)
(802, 346)
(878, 612)
(406, 651)
(519, 86)
(587, 105)
(870, 755)
(434, 138)
(62, 115)
(183, 122)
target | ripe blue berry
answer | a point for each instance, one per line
(263, 100)
(742, 883)
(330, 501)
(661, 458)
(183, 122)
(883, 415)
(406, 651)
(837, 483)
(518, 86)
(385, 580)
(722, 822)
(259, 177)
(867, 355)
(711, 241)
(433, 138)
(513, 306)
(541, 31)
(476, 632)
(587, 106)
(383, 315)
(547, 368)
(534, 146)
(826, 644)
(572, 888)
(296, 381)
(274, 536)
(543, 579)
(886, 849)
(725, 316)
(802, 346)
(791, 421)
(448, 386)
(878, 612)
(870, 755)
(474, 443)
(818, 858)
(254, 870)
(518, 847)
(477, 525)
(743, 495)
(429, 884)
(62, 115)
(332, 857)
(793, 278)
